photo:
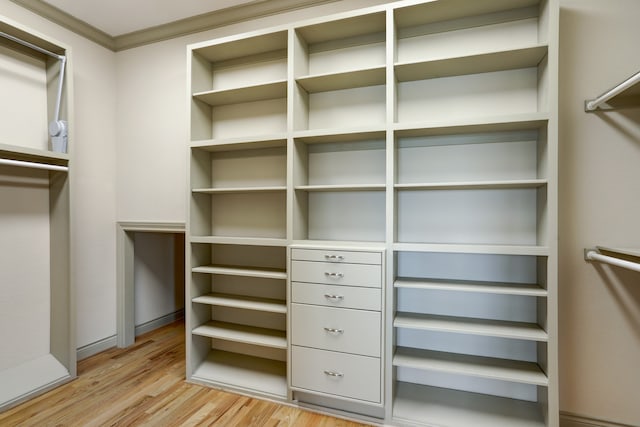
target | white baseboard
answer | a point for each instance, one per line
(159, 322)
(96, 347)
(573, 420)
(109, 342)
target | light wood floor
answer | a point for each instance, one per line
(144, 385)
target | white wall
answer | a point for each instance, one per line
(93, 162)
(599, 205)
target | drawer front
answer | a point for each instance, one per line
(322, 255)
(336, 329)
(346, 375)
(337, 274)
(337, 296)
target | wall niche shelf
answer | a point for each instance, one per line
(27, 161)
(417, 139)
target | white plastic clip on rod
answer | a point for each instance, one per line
(33, 165)
(592, 105)
(593, 255)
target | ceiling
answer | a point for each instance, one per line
(118, 17)
(125, 24)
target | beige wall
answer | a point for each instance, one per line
(93, 161)
(131, 107)
(599, 205)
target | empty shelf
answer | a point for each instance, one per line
(242, 271)
(472, 326)
(476, 366)
(418, 404)
(244, 302)
(471, 286)
(243, 334)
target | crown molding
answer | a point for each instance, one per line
(69, 22)
(195, 24)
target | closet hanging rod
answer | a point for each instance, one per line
(593, 104)
(33, 165)
(58, 129)
(594, 255)
(31, 46)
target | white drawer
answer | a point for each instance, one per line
(337, 296)
(337, 329)
(336, 256)
(337, 274)
(339, 374)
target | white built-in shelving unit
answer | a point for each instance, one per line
(425, 131)
(37, 302)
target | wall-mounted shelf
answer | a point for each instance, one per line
(625, 94)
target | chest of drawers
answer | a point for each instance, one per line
(337, 323)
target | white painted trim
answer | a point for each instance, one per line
(125, 328)
(568, 419)
(96, 347)
(154, 324)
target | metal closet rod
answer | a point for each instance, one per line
(61, 58)
(592, 105)
(594, 255)
(32, 46)
(33, 165)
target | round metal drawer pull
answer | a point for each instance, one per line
(334, 257)
(334, 330)
(334, 374)
(334, 275)
(334, 297)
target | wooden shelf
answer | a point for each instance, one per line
(525, 121)
(471, 286)
(464, 325)
(419, 404)
(243, 372)
(15, 152)
(242, 47)
(343, 80)
(371, 23)
(472, 249)
(427, 13)
(244, 302)
(479, 185)
(239, 271)
(234, 190)
(346, 187)
(476, 366)
(321, 136)
(246, 241)
(472, 64)
(261, 92)
(248, 143)
(243, 334)
(625, 252)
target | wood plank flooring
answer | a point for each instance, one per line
(144, 386)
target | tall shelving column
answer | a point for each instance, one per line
(237, 214)
(474, 205)
(35, 374)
